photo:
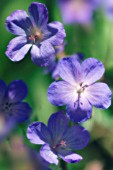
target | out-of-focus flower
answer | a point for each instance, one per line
(33, 33)
(77, 11)
(38, 162)
(12, 109)
(78, 89)
(94, 165)
(108, 8)
(57, 139)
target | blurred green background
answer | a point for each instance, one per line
(95, 41)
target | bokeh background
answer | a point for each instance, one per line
(93, 40)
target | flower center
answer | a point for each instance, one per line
(5, 108)
(37, 37)
(81, 88)
(62, 143)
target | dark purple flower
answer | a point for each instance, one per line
(77, 11)
(12, 109)
(57, 139)
(33, 33)
(78, 89)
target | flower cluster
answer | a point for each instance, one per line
(77, 87)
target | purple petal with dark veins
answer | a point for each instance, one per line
(19, 23)
(61, 93)
(48, 155)
(20, 111)
(57, 124)
(93, 70)
(70, 70)
(43, 55)
(57, 33)
(99, 95)
(18, 48)
(76, 138)
(38, 133)
(17, 91)
(38, 14)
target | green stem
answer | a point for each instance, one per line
(63, 165)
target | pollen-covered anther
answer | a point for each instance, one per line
(36, 37)
(63, 143)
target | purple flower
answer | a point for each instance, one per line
(12, 109)
(33, 33)
(53, 68)
(108, 7)
(78, 89)
(57, 139)
(77, 11)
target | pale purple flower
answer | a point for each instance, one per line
(12, 109)
(58, 139)
(108, 8)
(53, 68)
(78, 90)
(33, 33)
(77, 11)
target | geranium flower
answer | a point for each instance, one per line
(78, 89)
(58, 139)
(12, 109)
(33, 33)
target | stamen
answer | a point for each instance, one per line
(36, 37)
(62, 143)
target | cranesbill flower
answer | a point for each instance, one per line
(33, 32)
(57, 139)
(12, 109)
(78, 89)
(77, 11)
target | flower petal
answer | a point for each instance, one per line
(48, 155)
(76, 138)
(99, 95)
(57, 124)
(3, 88)
(70, 70)
(38, 14)
(93, 70)
(18, 23)
(79, 111)
(20, 111)
(18, 48)
(17, 91)
(57, 33)
(61, 93)
(38, 133)
(6, 126)
(43, 55)
(71, 157)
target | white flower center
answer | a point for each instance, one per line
(81, 88)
